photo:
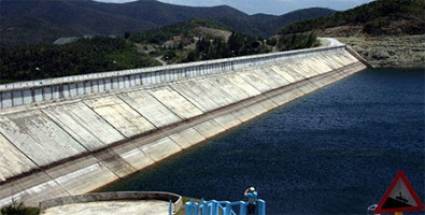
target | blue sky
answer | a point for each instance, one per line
(266, 6)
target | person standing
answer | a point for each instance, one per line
(251, 196)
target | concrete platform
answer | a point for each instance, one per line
(111, 203)
(111, 208)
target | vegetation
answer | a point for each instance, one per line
(185, 29)
(237, 45)
(29, 62)
(46, 21)
(298, 41)
(19, 209)
(185, 42)
(380, 17)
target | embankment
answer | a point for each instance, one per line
(69, 136)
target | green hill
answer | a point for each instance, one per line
(189, 29)
(32, 21)
(388, 33)
(381, 17)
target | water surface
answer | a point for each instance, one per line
(332, 152)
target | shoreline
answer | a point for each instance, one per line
(404, 52)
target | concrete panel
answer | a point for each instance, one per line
(113, 161)
(329, 61)
(38, 137)
(70, 175)
(187, 138)
(288, 95)
(228, 121)
(306, 87)
(284, 74)
(292, 70)
(243, 114)
(267, 77)
(318, 63)
(213, 90)
(229, 87)
(257, 109)
(310, 67)
(302, 68)
(97, 126)
(12, 161)
(150, 108)
(160, 149)
(256, 81)
(274, 80)
(268, 104)
(134, 156)
(239, 81)
(209, 128)
(196, 95)
(31, 190)
(121, 116)
(73, 127)
(175, 102)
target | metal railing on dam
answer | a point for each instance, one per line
(38, 91)
(75, 146)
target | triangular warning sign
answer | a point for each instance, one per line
(400, 197)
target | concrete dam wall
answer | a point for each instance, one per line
(69, 139)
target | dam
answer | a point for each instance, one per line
(72, 135)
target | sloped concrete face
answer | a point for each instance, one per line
(187, 138)
(209, 128)
(69, 175)
(92, 122)
(161, 149)
(175, 102)
(121, 116)
(256, 80)
(73, 147)
(12, 161)
(38, 137)
(134, 156)
(239, 81)
(74, 128)
(150, 108)
(197, 95)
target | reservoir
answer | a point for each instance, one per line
(334, 151)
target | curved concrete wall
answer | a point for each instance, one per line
(176, 199)
(75, 146)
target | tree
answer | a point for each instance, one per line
(127, 35)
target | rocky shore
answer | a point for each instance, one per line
(390, 51)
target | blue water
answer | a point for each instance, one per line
(332, 152)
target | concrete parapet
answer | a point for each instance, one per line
(176, 199)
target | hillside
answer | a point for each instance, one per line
(45, 20)
(183, 42)
(381, 17)
(388, 33)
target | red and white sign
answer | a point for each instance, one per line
(400, 197)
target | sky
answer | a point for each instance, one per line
(276, 7)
